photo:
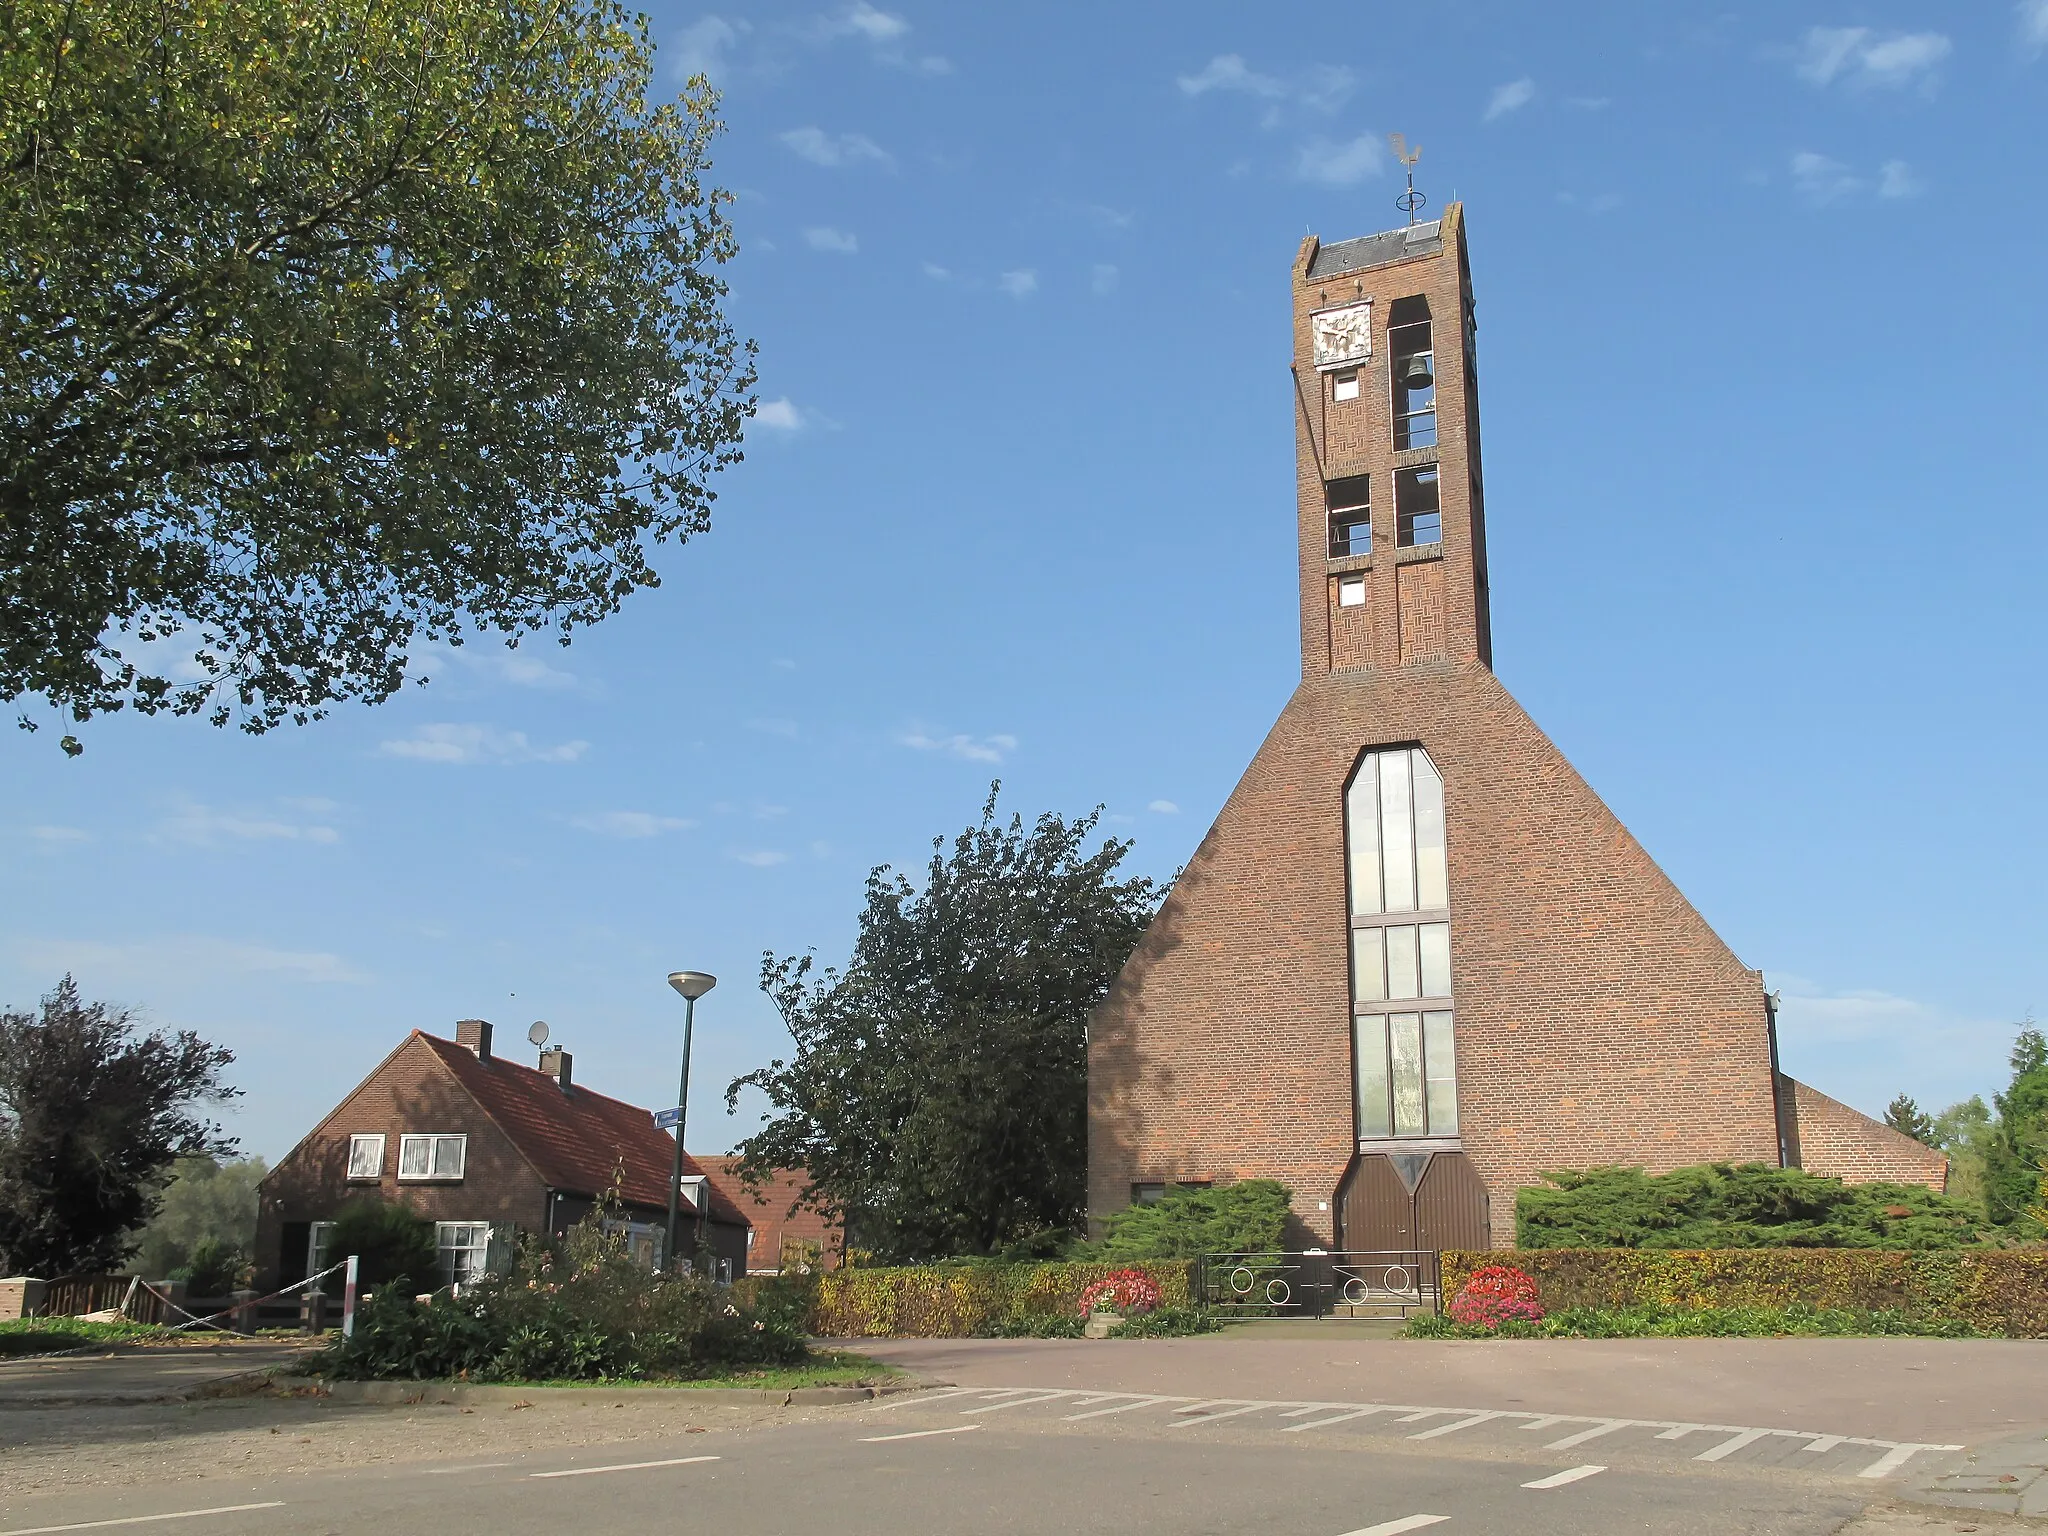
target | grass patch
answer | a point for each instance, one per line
(46, 1335)
(1650, 1321)
(828, 1368)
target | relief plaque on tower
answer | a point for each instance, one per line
(1343, 337)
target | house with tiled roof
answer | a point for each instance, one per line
(486, 1148)
(783, 1234)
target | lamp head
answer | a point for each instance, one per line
(692, 984)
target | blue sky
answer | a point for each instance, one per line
(1762, 332)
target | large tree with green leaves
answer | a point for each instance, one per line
(93, 1114)
(2016, 1151)
(937, 1097)
(326, 330)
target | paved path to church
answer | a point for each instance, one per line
(1938, 1390)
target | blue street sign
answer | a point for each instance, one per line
(667, 1119)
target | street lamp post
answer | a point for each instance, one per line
(692, 985)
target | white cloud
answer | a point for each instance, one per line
(501, 663)
(699, 49)
(1323, 88)
(1822, 180)
(936, 272)
(972, 749)
(762, 858)
(1228, 72)
(2033, 26)
(1896, 179)
(179, 960)
(774, 726)
(1859, 56)
(51, 834)
(1512, 97)
(825, 238)
(1020, 284)
(632, 824)
(453, 743)
(1102, 279)
(1164, 807)
(884, 32)
(836, 150)
(1338, 164)
(1589, 103)
(782, 414)
(203, 826)
(1864, 1045)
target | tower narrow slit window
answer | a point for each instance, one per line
(1402, 1015)
(1350, 503)
(1418, 508)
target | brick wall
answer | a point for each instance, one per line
(1847, 1144)
(1600, 1020)
(412, 1090)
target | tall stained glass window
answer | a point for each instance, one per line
(1400, 946)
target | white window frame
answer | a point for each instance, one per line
(447, 1157)
(362, 1141)
(317, 1235)
(462, 1261)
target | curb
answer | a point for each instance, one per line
(450, 1394)
(241, 1383)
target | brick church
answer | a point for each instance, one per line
(1417, 961)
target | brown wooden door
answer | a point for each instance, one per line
(1378, 1211)
(1451, 1206)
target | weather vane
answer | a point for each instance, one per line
(1410, 200)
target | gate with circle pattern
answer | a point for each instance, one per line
(1315, 1283)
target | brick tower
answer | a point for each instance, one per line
(1416, 961)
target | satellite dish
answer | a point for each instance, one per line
(539, 1033)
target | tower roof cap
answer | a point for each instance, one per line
(1425, 239)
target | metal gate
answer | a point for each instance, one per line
(1317, 1283)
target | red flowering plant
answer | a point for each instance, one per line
(1497, 1294)
(1123, 1290)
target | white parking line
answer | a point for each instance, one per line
(1733, 1444)
(1211, 1418)
(1356, 1413)
(101, 1525)
(1396, 1527)
(909, 1398)
(1678, 1431)
(1559, 1479)
(1898, 1456)
(1015, 1402)
(1544, 1422)
(1454, 1426)
(1423, 1413)
(919, 1434)
(1143, 1402)
(1584, 1435)
(1823, 1442)
(626, 1466)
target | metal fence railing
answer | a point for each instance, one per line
(1319, 1284)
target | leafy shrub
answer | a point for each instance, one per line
(1497, 1294)
(215, 1268)
(1651, 1321)
(1168, 1323)
(390, 1241)
(963, 1301)
(1976, 1290)
(1737, 1205)
(1185, 1223)
(1128, 1290)
(588, 1313)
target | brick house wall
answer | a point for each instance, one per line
(1847, 1144)
(411, 1090)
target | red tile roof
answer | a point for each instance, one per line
(576, 1140)
(768, 1210)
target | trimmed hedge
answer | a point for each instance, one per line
(959, 1301)
(1994, 1290)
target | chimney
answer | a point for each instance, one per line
(476, 1034)
(555, 1063)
